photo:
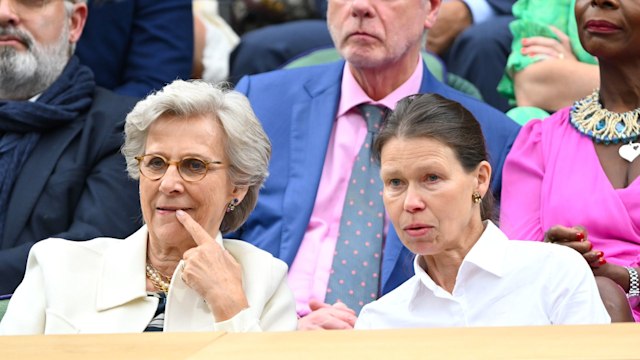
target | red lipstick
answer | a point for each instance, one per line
(601, 27)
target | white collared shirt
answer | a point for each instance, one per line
(499, 283)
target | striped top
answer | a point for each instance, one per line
(157, 323)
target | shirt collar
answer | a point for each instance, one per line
(353, 95)
(487, 254)
(490, 250)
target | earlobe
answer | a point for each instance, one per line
(77, 21)
(239, 192)
(483, 176)
(434, 7)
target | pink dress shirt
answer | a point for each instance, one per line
(309, 272)
(553, 176)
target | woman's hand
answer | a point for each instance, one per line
(576, 238)
(544, 48)
(212, 272)
(328, 317)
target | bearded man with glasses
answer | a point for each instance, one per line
(60, 171)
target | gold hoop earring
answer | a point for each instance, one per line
(476, 198)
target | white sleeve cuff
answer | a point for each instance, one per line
(244, 321)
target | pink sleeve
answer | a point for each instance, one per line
(522, 175)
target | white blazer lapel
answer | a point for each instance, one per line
(123, 282)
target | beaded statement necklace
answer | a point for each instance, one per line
(606, 127)
(160, 281)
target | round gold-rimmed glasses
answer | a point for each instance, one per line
(191, 169)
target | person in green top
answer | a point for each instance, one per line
(547, 69)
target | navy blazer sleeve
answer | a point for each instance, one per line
(136, 46)
(501, 7)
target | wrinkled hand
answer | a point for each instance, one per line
(328, 317)
(577, 238)
(544, 48)
(453, 18)
(212, 272)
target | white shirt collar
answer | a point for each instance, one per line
(487, 254)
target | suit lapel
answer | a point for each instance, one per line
(312, 120)
(397, 263)
(122, 281)
(429, 82)
(33, 177)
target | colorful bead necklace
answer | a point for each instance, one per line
(602, 125)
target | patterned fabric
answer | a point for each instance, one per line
(355, 272)
(157, 323)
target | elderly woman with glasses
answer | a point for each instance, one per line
(201, 156)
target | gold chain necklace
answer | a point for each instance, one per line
(602, 125)
(160, 281)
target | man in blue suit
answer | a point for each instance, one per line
(61, 173)
(312, 119)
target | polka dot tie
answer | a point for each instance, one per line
(355, 273)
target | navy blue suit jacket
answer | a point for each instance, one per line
(135, 46)
(73, 186)
(297, 108)
(501, 7)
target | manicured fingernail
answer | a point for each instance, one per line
(179, 213)
(602, 261)
(580, 236)
(600, 254)
(523, 51)
(590, 246)
(524, 41)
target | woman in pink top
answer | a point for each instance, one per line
(572, 179)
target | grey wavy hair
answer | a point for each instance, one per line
(247, 146)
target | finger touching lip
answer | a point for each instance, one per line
(170, 209)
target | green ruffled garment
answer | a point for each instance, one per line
(532, 18)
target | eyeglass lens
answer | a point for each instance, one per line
(191, 169)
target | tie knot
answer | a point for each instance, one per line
(373, 114)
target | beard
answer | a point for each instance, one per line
(24, 74)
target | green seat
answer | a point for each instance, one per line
(523, 114)
(3, 307)
(434, 64)
(463, 85)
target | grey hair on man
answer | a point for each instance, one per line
(25, 74)
(247, 146)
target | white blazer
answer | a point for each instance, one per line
(99, 286)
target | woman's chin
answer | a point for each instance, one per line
(168, 231)
(419, 246)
